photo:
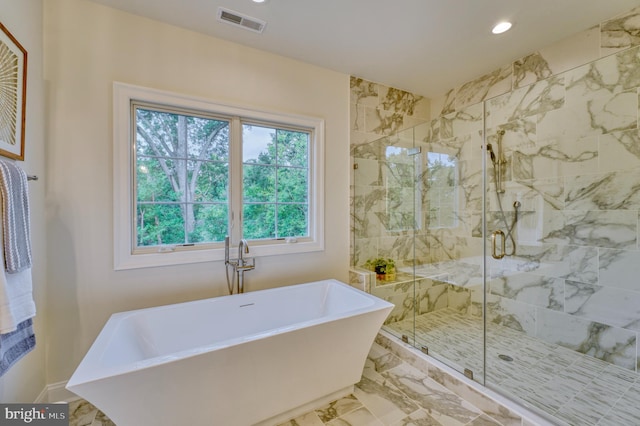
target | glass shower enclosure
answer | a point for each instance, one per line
(418, 204)
(506, 235)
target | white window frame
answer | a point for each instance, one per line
(123, 174)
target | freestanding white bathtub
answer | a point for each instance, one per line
(252, 358)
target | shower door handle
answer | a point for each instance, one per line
(494, 237)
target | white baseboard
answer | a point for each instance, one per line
(43, 397)
(55, 392)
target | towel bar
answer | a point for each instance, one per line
(32, 177)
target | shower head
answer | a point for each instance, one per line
(491, 153)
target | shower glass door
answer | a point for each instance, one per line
(562, 304)
(384, 224)
(418, 205)
(449, 243)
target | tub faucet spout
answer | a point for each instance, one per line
(243, 248)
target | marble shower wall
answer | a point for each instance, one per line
(572, 142)
(570, 115)
(378, 110)
(383, 123)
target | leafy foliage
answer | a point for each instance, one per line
(182, 181)
(182, 167)
(275, 188)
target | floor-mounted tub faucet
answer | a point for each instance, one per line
(240, 265)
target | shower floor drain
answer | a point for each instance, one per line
(505, 357)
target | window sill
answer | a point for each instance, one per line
(169, 257)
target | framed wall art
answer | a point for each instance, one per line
(13, 94)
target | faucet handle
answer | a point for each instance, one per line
(248, 264)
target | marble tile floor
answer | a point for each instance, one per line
(82, 413)
(391, 392)
(575, 389)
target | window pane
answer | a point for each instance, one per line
(259, 221)
(208, 139)
(159, 224)
(400, 209)
(442, 169)
(181, 157)
(152, 181)
(212, 181)
(292, 220)
(276, 173)
(167, 134)
(258, 144)
(210, 223)
(293, 148)
(156, 132)
(442, 172)
(292, 185)
(259, 183)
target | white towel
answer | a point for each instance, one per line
(15, 217)
(16, 298)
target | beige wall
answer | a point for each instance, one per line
(23, 19)
(87, 47)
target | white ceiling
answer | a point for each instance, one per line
(423, 46)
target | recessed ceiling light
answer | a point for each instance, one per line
(501, 27)
(259, 1)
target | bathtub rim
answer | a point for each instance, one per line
(89, 370)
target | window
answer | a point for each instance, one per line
(401, 189)
(275, 172)
(181, 176)
(188, 172)
(442, 172)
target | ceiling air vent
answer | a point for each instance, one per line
(238, 19)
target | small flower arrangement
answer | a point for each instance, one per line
(384, 268)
